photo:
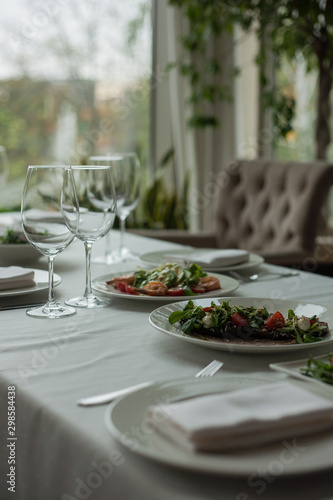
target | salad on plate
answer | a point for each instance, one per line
(248, 324)
(169, 279)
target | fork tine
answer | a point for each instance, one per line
(210, 369)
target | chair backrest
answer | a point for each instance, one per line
(271, 205)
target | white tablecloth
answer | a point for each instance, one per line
(61, 447)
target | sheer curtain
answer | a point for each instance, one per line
(202, 152)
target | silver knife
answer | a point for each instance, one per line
(21, 306)
(110, 396)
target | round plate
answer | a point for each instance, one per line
(98, 285)
(164, 256)
(41, 283)
(159, 320)
(129, 414)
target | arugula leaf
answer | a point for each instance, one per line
(189, 305)
(320, 370)
(11, 237)
(177, 316)
(189, 325)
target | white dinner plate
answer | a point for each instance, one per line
(293, 368)
(163, 256)
(159, 320)
(41, 280)
(127, 420)
(228, 285)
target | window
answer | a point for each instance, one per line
(296, 83)
(74, 81)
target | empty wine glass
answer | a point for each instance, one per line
(132, 177)
(125, 169)
(49, 214)
(97, 207)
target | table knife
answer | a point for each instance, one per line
(110, 396)
(21, 306)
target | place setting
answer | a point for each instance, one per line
(181, 425)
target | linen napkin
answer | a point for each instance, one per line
(243, 418)
(219, 257)
(16, 277)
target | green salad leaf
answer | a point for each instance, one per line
(12, 237)
(320, 370)
(172, 275)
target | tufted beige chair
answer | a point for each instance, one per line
(269, 207)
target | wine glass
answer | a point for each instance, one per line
(132, 177)
(125, 169)
(97, 207)
(50, 215)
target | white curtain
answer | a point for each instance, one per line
(202, 152)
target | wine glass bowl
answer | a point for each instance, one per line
(49, 214)
(97, 210)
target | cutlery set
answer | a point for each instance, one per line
(101, 399)
(257, 276)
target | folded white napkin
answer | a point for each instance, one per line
(16, 277)
(243, 418)
(218, 257)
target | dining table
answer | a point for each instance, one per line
(53, 448)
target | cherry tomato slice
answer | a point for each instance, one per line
(275, 321)
(131, 289)
(239, 320)
(121, 286)
(207, 309)
(197, 289)
(175, 291)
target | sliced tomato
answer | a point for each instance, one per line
(121, 286)
(197, 289)
(239, 320)
(131, 289)
(207, 309)
(175, 291)
(275, 321)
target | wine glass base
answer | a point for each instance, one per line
(125, 255)
(55, 311)
(109, 259)
(88, 303)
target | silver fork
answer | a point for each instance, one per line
(102, 399)
(257, 276)
(210, 369)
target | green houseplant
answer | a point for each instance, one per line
(290, 26)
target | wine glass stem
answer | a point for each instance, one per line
(88, 292)
(108, 244)
(50, 299)
(122, 233)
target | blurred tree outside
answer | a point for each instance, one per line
(71, 84)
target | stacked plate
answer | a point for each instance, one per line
(215, 260)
